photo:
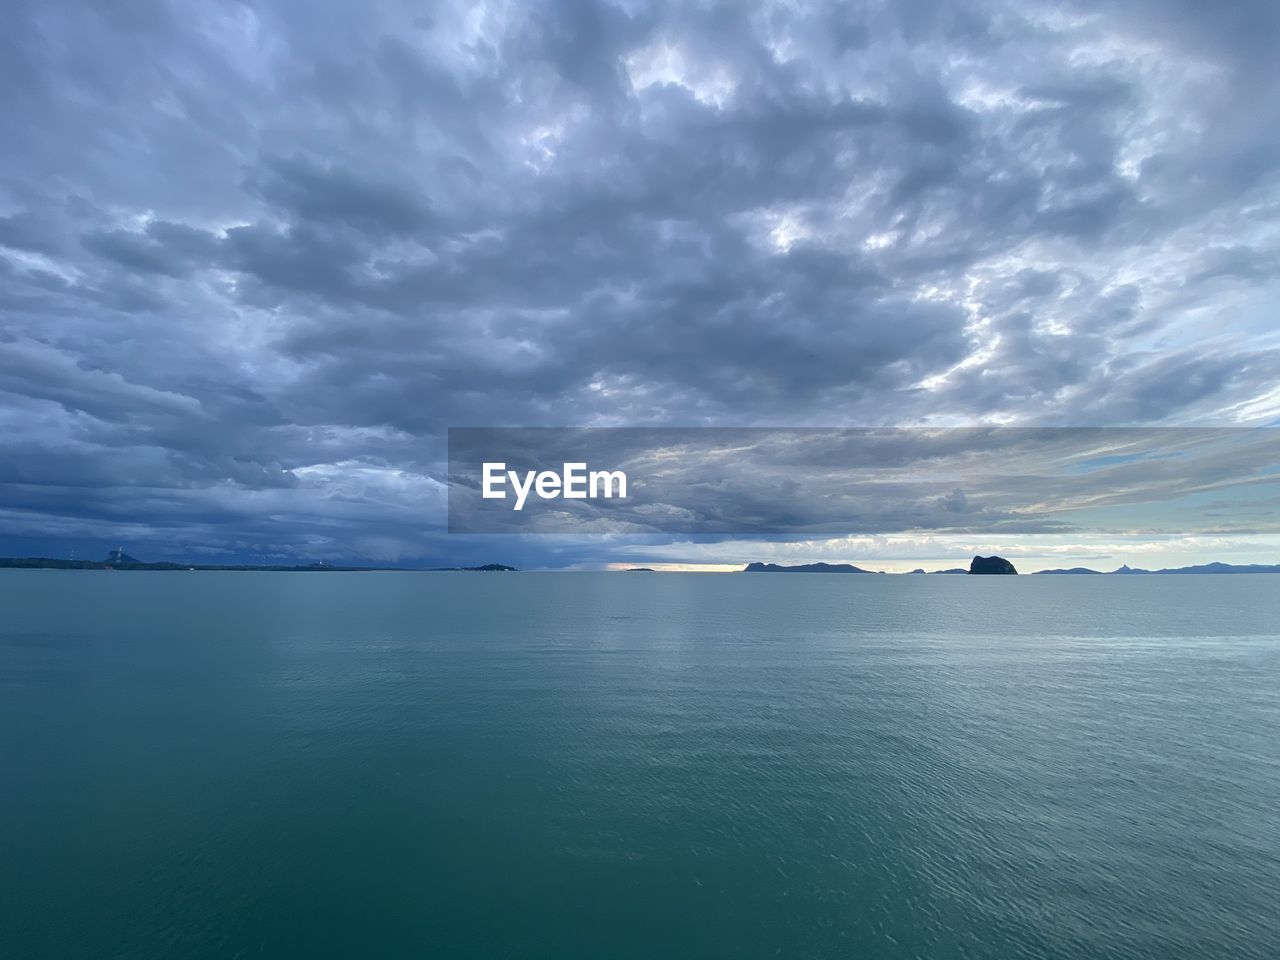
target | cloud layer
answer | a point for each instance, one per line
(255, 258)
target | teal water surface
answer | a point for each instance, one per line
(574, 766)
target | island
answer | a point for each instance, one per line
(992, 565)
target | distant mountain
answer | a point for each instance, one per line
(1226, 568)
(803, 568)
(1001, 565)
(118, 560)
(640, 570)
(1197, 568)
(992, 565)
(486, 568)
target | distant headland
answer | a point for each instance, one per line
(979, 565)
(804, 568)
(119, 560)
(1197, 568)
(985, 566)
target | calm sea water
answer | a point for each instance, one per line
(380, 765)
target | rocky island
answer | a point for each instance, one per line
(991, 565)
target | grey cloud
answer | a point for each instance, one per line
(26, 231)
(173, 249)
(313, 193)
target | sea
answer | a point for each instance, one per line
(585, 766)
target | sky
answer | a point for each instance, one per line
(257, 258)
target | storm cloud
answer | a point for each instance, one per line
(256, 258)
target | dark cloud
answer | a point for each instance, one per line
(311, 193)
(255, 258)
